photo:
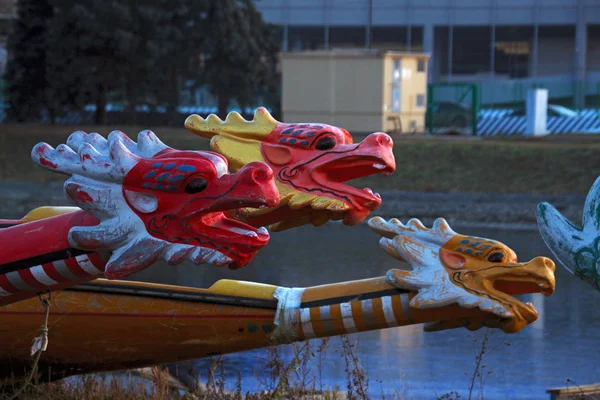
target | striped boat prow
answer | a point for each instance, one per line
(47, 276)
(355, 316)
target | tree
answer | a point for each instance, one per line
(129, 48)
(66, 54)
(97, 40)
(240, 50)
(28, 88)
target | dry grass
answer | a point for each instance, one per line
(297, 379)
(552, 165)
(294, 380)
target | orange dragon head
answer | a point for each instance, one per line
(311, 163)
(449, 268)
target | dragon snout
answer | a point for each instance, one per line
(542, 264)
(380, 139)
(255, 182)
(256, 172)
(549, 264)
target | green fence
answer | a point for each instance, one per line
(453, 108)
(512, 93)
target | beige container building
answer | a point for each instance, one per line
(360, 90)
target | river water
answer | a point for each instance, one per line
(407, 362)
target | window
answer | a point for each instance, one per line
(347, 37)
(305, 37)
(420, 100)
(389, 37)
(396, 83)
(471, 50)
(420, 65)
(512, 52)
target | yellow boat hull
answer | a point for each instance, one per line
(117, 325)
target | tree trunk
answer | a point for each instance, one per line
(131, 97)
(52, 112)
(101, 100)
(223, 104)
(174, 97)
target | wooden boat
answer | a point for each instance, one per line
(112, 325)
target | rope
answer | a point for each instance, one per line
(38, 346)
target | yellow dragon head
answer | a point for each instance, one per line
(311, 163)
(449, 268)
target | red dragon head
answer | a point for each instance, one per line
(155, 202)
(311, 163)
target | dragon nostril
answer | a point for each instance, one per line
(261, 175)
(383, 139)
(549, 264)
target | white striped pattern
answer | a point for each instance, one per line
(41, 276)
(348, 318)
(306, 323)
(498, 123)
(388, 311)
(85, 264)
(17, 281)
(368, 315)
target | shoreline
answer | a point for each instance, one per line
(509, 211)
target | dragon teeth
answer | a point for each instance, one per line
(244, 232)
(379, 166)
(263, 231)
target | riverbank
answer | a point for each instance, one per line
(516, 211)
(556, 164)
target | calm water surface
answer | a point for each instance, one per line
(562, 344)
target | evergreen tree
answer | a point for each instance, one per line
(28, 89)
(240, 50)
(119, 48)
(65, 54)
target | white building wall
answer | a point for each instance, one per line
(561, 61)
(556, 56)
(593, 55)
(427, 12)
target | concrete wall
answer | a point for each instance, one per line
(352, 90)
(428, 12)
(340, 90)
(556, 56)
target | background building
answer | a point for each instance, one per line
(506, 46)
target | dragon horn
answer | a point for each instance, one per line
(262, 124)
(561, 237)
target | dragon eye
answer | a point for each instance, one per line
(196, 185)
(325, 143)
(496, 257)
